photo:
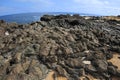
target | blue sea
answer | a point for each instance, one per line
(25, 18)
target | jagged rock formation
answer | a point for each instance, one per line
(72, 46)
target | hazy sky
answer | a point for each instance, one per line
(104, 7)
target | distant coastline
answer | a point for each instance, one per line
(24, 18)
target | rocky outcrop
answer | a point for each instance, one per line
(72, 46)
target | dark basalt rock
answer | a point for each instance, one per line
(2, 21)
(118, 73)
(101, 65)
(47, 17)
(75, 63)
(112, 70)
(72, 46)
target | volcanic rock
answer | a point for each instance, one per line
(71, 46)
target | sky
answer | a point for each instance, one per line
(101, 7)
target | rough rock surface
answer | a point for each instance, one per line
(72, 46)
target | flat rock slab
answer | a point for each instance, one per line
(115, 60)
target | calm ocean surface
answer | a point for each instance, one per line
(31, 17)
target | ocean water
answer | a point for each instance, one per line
(24, 18)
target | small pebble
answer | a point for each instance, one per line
(6, 33)
(87, 62)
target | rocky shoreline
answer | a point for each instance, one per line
(71, 46)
